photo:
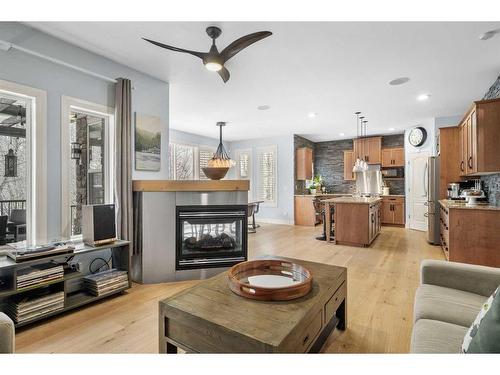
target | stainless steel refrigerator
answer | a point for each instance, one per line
(432, 175)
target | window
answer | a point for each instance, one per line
(87, 134)
(186, 161)
(243, 159)
(23, 168)
(267, 175)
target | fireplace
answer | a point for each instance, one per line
(210, 236)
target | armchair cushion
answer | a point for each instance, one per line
(447, 305)
(470, 278)
(433, 336)
(6, 334)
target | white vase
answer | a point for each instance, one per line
(313, 191)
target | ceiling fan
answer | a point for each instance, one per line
(213, 59)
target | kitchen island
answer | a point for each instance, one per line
(356, 220)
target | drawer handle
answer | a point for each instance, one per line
(306, 339)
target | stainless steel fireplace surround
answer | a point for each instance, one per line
(211, 226)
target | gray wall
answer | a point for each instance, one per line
(150, 96)
(492, 182)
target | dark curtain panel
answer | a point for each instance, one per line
(123, 159)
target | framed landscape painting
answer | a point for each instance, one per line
(147, 143)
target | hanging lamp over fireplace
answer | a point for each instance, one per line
(221, 158)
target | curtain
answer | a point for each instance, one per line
(123, 160)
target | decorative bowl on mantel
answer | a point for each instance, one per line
(270, 280)
(215, 173)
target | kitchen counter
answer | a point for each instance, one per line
(452, 204)
(353, 200)
(393, 195)
(324, 195)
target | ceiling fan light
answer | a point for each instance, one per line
(213, 66)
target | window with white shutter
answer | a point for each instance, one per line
(243, 159)
(182, 161)
(267, 175)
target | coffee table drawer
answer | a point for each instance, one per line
(333, 304)
(309, 335)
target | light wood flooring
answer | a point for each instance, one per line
(382, 280)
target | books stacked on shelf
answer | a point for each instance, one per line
(38, 274)
(28, 307)
(105, 282)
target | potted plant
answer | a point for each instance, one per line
(316, 184)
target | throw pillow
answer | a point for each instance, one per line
(484, 334)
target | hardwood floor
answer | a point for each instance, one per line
(382, 280)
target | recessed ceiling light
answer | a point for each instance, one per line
(423, 97)
(399, 81)
(341, 134)
(391, 129)
(264, 107)
(311, 114)
(489, 34)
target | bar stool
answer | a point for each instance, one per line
(319, 208)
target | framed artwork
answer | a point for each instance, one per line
(147, 143)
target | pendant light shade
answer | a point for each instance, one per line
(221, 158)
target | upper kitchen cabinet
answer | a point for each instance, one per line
(368, 149)
(304, 163)
(393, 157)
(349, 161)
(479, 134)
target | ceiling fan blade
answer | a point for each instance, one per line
(242, 43)
(224, 73)
(201, 55)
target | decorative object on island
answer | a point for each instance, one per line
(220, 163)
(147, 143)
(10, 164)
(213, 59)
(270, 280)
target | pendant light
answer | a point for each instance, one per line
(221, 158)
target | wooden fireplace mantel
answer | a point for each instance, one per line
(190, 185)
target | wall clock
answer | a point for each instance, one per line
(417, 136)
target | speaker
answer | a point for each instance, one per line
(98, 224)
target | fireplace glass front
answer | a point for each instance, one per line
(210, 236)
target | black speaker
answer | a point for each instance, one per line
(98, 224)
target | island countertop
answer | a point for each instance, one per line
(353, 200)
(190, 185)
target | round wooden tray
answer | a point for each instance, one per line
(270, 280)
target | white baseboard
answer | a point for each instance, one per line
(274, 221)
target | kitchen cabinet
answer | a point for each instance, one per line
(393, 157)
(393, 210)
(349, 161)
(304, 163)
(304, 212)
(479, 135)
(368, 149)
(470, 234)
(449, 158)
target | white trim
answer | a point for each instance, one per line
(69, 104)
(237, 153)
(36, 136)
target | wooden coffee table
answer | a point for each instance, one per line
(209, 318)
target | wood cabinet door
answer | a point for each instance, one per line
(349, 161)
(304, 163)
(472, 143)
(398, 210)
(463, 149)
(359, 149)
(398, 157)
(373, 150)
(387, 157)
(387, 216)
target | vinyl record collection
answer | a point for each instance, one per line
(105, 282)
(25, 308)
(38, 274)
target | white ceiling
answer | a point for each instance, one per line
(331, 68)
